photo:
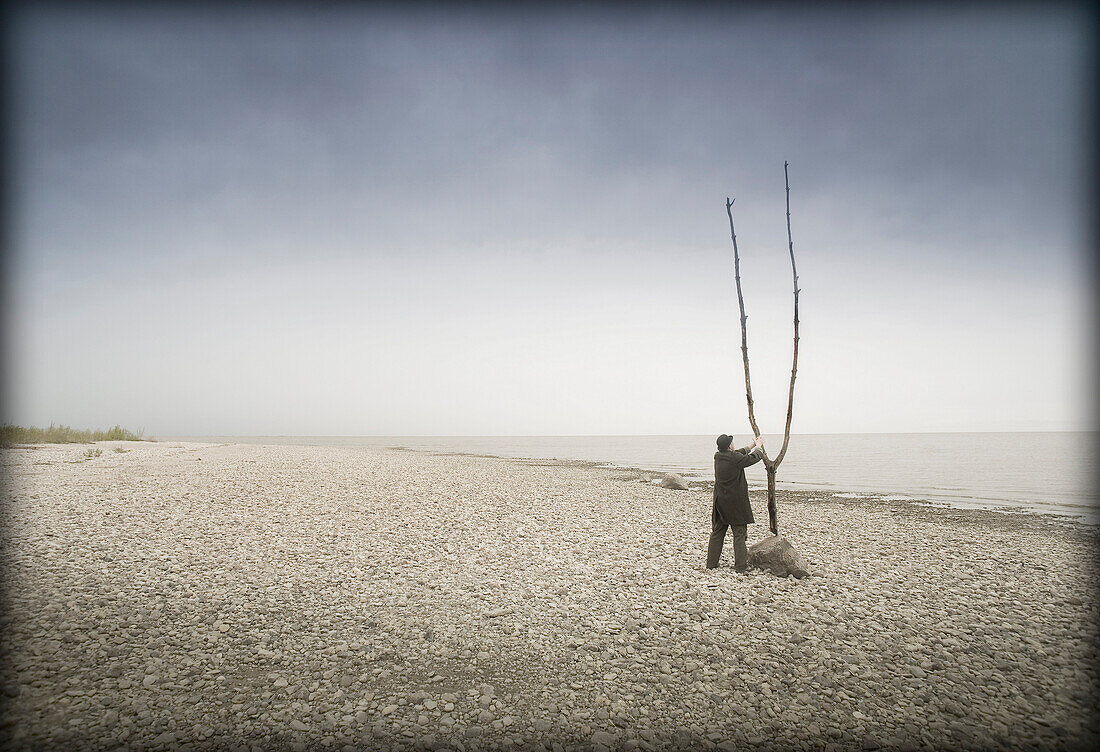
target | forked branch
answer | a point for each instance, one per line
(770, 464)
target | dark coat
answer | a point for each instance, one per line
(731, 490)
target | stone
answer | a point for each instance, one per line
(674, 482)
(603, 738)
(833, 664)
(778, 556)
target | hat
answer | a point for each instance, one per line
(724, 442)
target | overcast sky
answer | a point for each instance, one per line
(354, 222)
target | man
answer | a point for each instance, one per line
(731, 500)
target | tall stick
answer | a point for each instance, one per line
(741, 305)
(773, 518)
(769, 464)
(794, 357)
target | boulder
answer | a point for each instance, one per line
(776, 554)
(674, 481)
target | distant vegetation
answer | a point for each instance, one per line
(63, 435)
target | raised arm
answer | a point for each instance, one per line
(745, 459)
(756, 446)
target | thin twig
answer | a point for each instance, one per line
(794, 357)
(744, 334)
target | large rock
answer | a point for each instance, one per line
(777, 555)
(674, 481)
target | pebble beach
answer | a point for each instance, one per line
(173, 595)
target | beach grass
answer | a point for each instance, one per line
(64, 435)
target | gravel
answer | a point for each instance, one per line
(213, 596)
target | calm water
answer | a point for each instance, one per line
(1046, 472)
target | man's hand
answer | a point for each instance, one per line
(759, 441)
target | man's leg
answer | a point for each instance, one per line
(740, 550)
(717, 538)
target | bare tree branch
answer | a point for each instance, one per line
(794, 357)
(769, 464)
(741, 306)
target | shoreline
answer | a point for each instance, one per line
(836, 494)
(1026, 514)
(833, 494)
(300, 598)
(1085, 510)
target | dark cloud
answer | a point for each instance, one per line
(350, 126)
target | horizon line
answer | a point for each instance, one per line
(577, 435)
